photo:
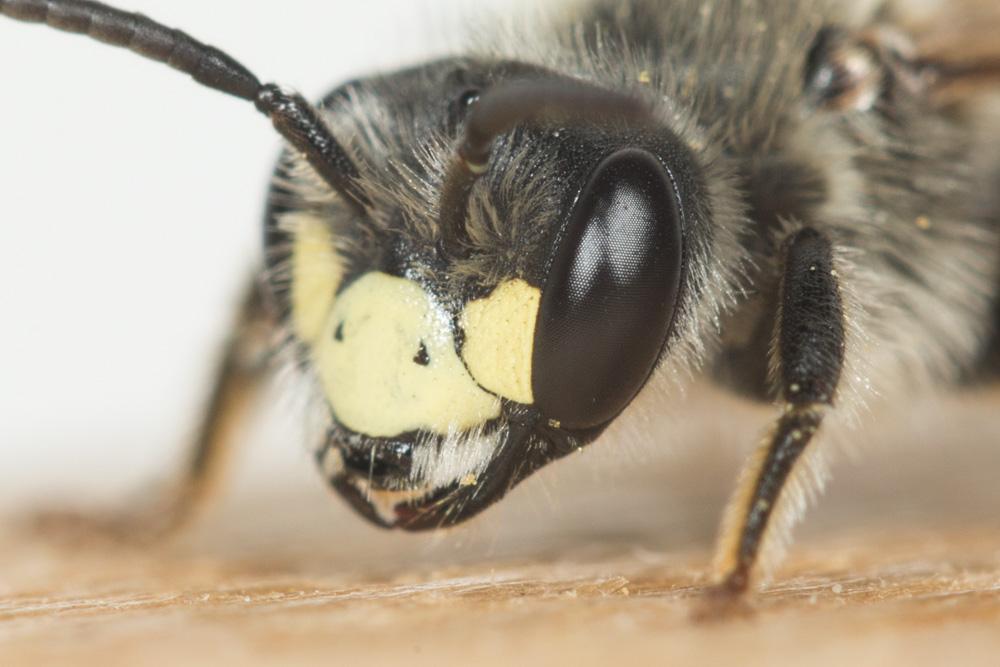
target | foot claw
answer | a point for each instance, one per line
(724, 601)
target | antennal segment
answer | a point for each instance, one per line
(294, 118)
(507, 106)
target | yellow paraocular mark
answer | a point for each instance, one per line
(316, 274)
(500, 339)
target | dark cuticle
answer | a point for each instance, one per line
(338, 335)
(422, 358)
(460, 106)
(468, 98)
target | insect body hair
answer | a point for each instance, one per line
(727, 77)
(898, 189)
(900, 192)
(732, 86)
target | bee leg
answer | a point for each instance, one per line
(237, 382)
(237, 379)
(809, 353)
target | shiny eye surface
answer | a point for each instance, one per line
(608, 302)
(468, 98)
(460, 106)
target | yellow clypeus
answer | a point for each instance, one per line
(387, 363)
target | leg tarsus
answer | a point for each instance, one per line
(724, 601)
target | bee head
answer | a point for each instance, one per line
(510, 286)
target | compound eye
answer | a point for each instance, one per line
(459, 107)
(609, 299)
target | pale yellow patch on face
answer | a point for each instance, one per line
(316, 274)
(371, 377)
(500, 339)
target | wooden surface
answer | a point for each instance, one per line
(591, 564)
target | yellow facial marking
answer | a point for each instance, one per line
(316, 274)
(387, 362)
(500, 339)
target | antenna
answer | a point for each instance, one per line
(292, 116)
(500, 110)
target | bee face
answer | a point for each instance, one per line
(449, 377)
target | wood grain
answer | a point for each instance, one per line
(589, 565)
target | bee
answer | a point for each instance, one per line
(481, 262)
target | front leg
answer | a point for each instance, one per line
(809, 352)
(165, 511)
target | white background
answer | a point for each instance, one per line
(130, 216)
